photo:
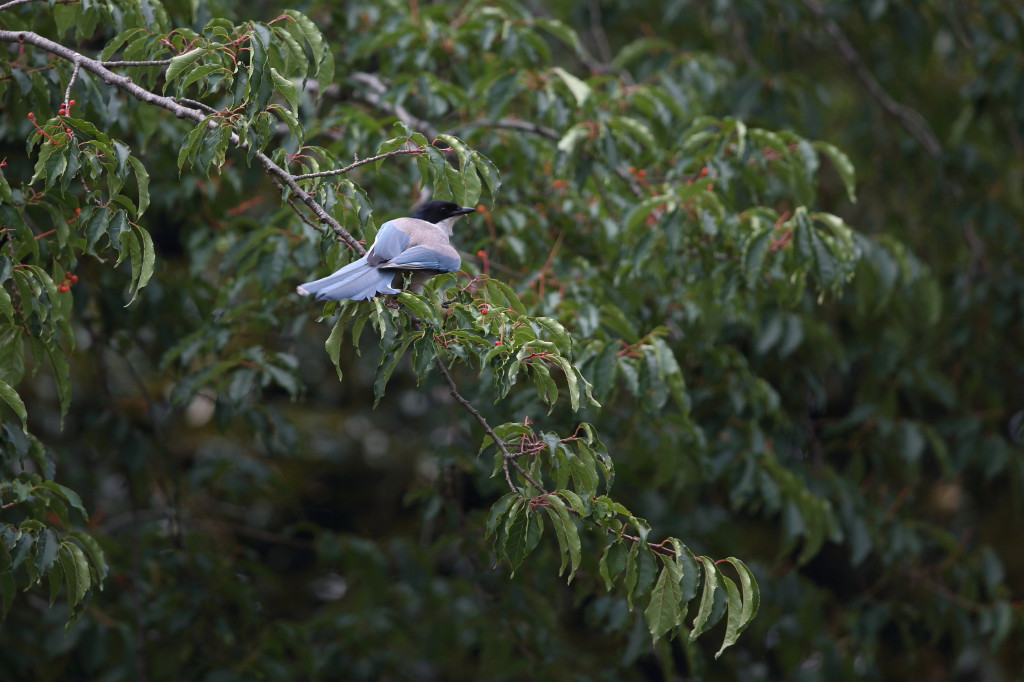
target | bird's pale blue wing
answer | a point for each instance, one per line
(425, 258)
(390, 242)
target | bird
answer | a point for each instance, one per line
(418, 246)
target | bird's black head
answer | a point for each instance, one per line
(437, 211)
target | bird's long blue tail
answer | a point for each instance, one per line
(358, 280)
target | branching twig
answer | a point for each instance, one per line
(507, 457)
(139, 62)
(913, 121)
(125, 83)
(360, 162)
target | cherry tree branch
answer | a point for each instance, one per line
(126, 84)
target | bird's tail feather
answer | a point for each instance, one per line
(358, 280)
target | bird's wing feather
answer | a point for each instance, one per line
(442, 259)
(390, 242)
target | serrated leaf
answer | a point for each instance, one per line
(702, 621)
(180, 63)
(417, 305)
(68, 495)
(142, 180)
(97, 560)
(522, 534)
(498, 510)
(12, 398)
(143, 257)
(662, 612)
(287, 89)
(734, 610)
(750, 592)
(572, 536)
(47, 546)
(261, 82)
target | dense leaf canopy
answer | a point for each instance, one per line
(730, 384)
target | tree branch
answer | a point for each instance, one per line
(125, 83)
(913, 121)
(360, 162)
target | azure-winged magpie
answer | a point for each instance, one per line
(417, 245)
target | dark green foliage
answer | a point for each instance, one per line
(691, 343)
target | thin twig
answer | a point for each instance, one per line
(506, 456)
(71, 82)
(125, 83)
(360, 162)
(140, 62)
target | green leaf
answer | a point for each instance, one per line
(572, 537)
(143, 256)
(192, 143)
(180, 63)
(97, 560)
(287, 89)
(498, 509)
(68, 495)
(663, 610)
(579, 89)
(703, 620)
(142, 180)
(12, 398)
(732, 626)
(750, 592)
(261, 82)
(76, 573)
(843, 165)
(47, 545)
(522, 533)
(418, 306)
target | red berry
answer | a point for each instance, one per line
(74, 279)
(481, 254)
(61, 112)
(71, 103)
(67, 130)
(483, 310)
(498, 342)
(77, 210)
(31, 115)
(63, 288)
(67, 274)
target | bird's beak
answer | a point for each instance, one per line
(463, 210)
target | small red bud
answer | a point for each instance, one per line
(39, 131)
(481, 254)
(67, 274)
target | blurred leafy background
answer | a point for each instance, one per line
(851, 423)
